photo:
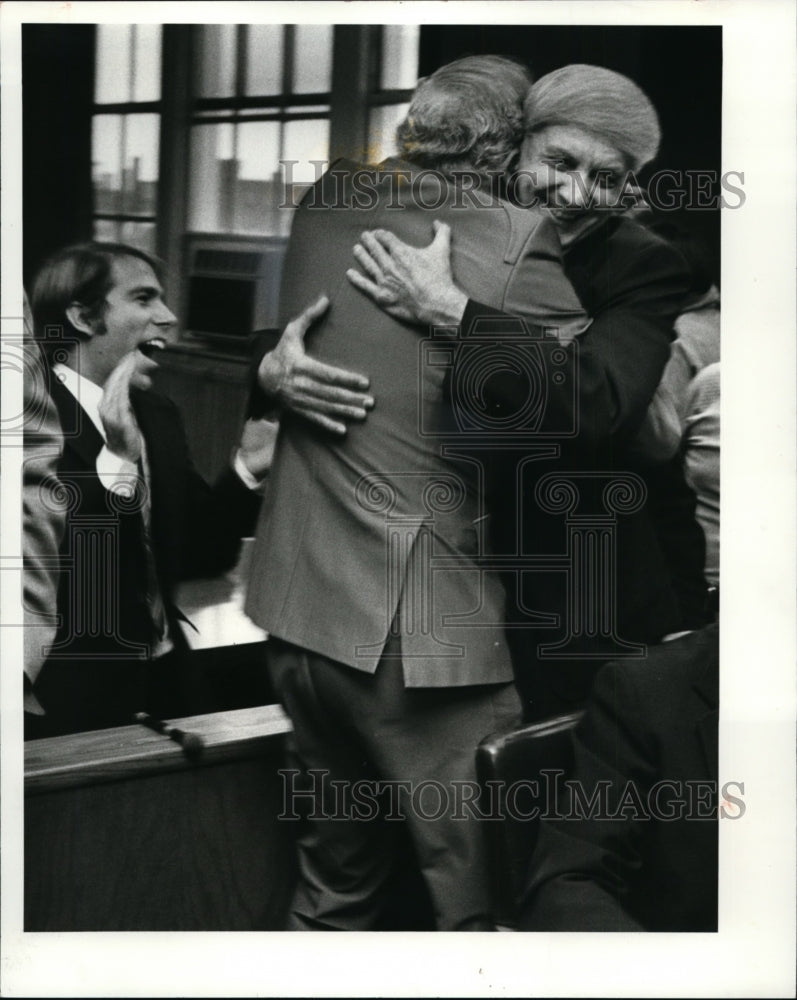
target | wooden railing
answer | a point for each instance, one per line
(123, 831)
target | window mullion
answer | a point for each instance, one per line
(348, 126)
(174, 154)
(132, 67)
(288, 43)
(241, 60)
(123, 201)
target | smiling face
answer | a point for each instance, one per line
(574, 173)
(134, 314)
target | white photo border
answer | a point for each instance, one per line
(753, 954)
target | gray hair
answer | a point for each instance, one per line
(467, 115)
(605, 103)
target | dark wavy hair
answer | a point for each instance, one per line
(467, 115)
(79, 273)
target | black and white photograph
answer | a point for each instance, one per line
(398, 497)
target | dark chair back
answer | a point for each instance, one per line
(516, 770)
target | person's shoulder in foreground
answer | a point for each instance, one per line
(633, 842)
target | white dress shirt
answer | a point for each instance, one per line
(117, 474)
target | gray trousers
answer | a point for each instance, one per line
(366, 753)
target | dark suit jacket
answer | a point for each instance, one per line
(386, 520)
(96, 672)
(632, 283)
(647, 723)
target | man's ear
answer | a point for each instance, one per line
(78, 316)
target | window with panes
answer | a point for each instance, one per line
(126, 133)
(258, 113)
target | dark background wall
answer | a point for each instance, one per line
(57, 92)
(679, 68)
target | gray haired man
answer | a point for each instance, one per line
(387, 645)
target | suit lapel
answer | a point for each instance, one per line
(160, 438)
(167, 460)
(80, 434)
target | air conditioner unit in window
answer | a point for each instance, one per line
(232, 285)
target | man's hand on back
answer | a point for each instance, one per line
(410, 283)
(325, 395)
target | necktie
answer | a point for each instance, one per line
(154, 598)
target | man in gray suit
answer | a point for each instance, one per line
(369, 571)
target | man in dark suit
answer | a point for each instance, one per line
(369, 570)
(130, 514)
(587, 502)
(645, 856)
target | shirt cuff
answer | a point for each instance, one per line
(116, 474)
(239, 466)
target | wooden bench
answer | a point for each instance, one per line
(124, 832)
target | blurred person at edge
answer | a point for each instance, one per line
(41, 527)
(643, 854)
(682, 425)
(586, 128)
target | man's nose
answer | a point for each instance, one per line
(574, 189)
(164, 316)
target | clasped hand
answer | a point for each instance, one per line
(122, 433)
(323, 394)
(410, 283)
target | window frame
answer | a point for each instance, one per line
(126, 108)
(355, 91)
